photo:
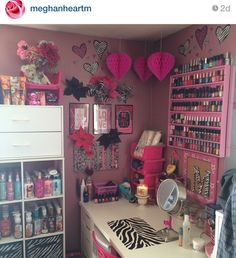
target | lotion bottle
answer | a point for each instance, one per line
(186, 232)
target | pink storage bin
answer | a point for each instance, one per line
(151, 181)
(44, 94)
(101, 188)
(150, 152)
(153, 166)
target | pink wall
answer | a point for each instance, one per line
(10, 64)
(211, 47)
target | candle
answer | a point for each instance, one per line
(142, 190)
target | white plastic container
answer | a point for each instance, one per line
(186, 232)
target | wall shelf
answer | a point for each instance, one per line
(198, 110)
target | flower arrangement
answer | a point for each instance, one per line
(44, 55)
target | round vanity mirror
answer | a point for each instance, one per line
(170, 196)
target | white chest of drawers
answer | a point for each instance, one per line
(30, 131)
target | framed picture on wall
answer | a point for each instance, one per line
(101, 118)
(124, 118)
(78, 117)
(200, 173)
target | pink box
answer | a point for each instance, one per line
(102, 188)
(149, 152)
(151, 180)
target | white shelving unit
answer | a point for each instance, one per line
(32, 139)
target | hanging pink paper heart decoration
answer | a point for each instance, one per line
(160, 64)
(118, 64)
(141, 68)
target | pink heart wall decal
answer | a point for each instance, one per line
(200, 35)
(80, 51)
(118, 64)
(141, 68)
(160, 64)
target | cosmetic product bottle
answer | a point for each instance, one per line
(180, 236)
(5, 222)
(17, 187)
(29, 188)
(39, 186)
(51, 218)
(89, 185)
(44, 220)
(186, 231)
(86, 195)
(59, 219)
(3, 187)
(82, 187)
(227, 58)
(10, 188)
(48, 190)
(56, 183)
(36, 222)
(17, 225)
(28, 225)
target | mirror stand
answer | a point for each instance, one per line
(168, 233)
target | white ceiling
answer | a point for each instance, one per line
(129, 32)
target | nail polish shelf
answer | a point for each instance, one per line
(198, 106)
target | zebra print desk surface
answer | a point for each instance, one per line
(135, 233)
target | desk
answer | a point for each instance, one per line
(100, 214)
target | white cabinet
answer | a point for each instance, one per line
(31, 140)
(87, 227)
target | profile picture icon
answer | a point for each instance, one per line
(15, 9)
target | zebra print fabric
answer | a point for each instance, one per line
(14, 250)
(135, 233)
(47, 247)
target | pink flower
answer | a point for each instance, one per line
(83, 140)
(22, 49)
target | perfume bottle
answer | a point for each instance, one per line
(29, 188)
(10, 188)
(48, 190)
(39, 186)
(3, 187)
(17, 187)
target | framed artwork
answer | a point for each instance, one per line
(124, 118)
(78, 116)
(200, 172)
(101, 118)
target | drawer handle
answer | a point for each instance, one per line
(23, 119)
(21, 144)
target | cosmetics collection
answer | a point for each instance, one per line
(42, 218)
(42, 184)
(204, 63)
(10, 186)
(196, 133)
(196, 104)
(198, 78)
(10, 221)
(197, 120)
(195, 145)
(201, 92)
